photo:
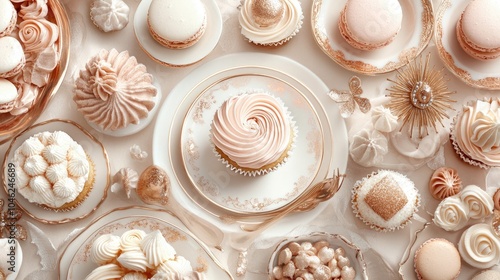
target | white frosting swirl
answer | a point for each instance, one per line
(368, 147)
(135, 276)
(480, 204)
(477, 131)
(156, 248)
(290, 23)
(479, 246)
(131, 239)
(134, 260)
(115, 96)
(167, 275)
(109, 15)
(106, 272)
(253, 130)
(44, 175)
(105, 249)
(451, 214)
(383, 120)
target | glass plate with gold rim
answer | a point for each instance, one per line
(94, 149)
(167, 131)
(411, 40)
(178, 57)
(484, 74)
(13, 125)
(253, 195)
(75, 262)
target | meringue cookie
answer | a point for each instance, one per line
(106, 272)
(444, 182)
(383, 120)
(105, 249)
(368, 147)
(451, 214)
(156, 248)
(479, 246)
(109, 15)
(480, 204)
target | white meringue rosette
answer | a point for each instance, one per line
(368, 147)
(383, 120)
(479, 246)
(109, 15)
(454, 212)
(136, 255)
(262, 171)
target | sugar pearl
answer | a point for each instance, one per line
(320, 244)
(285, 256)
(289, 270)
(278, 272)
(294, 248)
(339, 252)
(343, 261)
(306, 246)
(348, 273)
(326, 254)
(336, 272)
(322, 273)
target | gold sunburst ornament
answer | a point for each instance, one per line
(419, 97)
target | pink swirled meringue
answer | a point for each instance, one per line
(37, 35)
(114, 90)
(33, 9)
(252, 131)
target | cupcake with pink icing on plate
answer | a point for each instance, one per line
(253, 133)
(116, 94)
(475, 133)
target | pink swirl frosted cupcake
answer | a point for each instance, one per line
(475, 133)
(252, 133)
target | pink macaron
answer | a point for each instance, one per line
(478, 29)
(370, 24)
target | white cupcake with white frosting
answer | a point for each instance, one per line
(53, 170)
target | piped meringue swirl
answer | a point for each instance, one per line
(283, 30)
(114, 90)
(480, 204)
(451, 214)
(34, 9)
(156, 248)
(253, 130)
(444, 182)
(105, 249)
(479, 246)
(477, 131)
(106, 272)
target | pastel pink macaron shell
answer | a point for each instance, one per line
(481, 24)
(373, 21)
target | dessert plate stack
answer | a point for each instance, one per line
(182, 147)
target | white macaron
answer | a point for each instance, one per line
(8, 17)
(8, 95)
(12, 58)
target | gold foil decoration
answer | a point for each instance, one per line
(386, 198)
(267, 12)
(420, 97)
(153, 186)
(347, 99)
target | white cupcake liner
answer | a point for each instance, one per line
(282, 41)
(455, 144)
(371, 224)
(258, 172)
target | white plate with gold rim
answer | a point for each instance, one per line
(474, 72)
(178, 57)
(415, 34)
(75, 262)
(171, 159)
(248, 194)
(94, 149)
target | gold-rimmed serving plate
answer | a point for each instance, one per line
(11, 125)
(476, 73)
(96, 152)
(412, 39)
(249, 195)
(167, 132)
(75, 262)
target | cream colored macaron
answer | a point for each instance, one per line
(8, 94)
(12, 58)
(8, 17)
(436, 259)
(177, 24)
(370, 24)
(478, 29)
